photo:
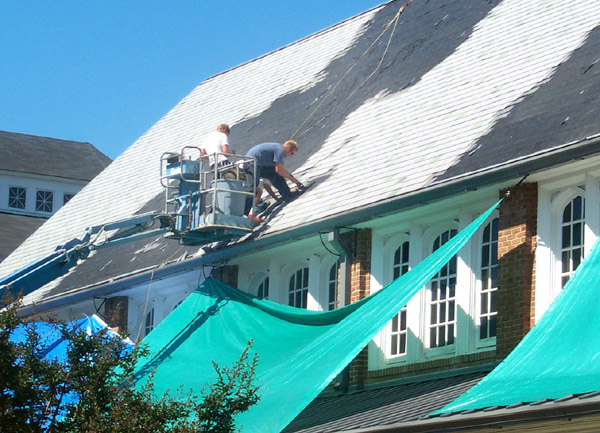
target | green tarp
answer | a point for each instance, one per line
(300, 352)
(559, 357)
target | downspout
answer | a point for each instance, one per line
(346, 255)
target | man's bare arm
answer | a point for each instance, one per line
(283, 172)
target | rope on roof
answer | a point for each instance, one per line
(393, 21)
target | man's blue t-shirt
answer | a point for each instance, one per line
(267, 154)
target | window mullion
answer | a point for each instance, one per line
(415, 307)
(592, 212)
(314, 265)
(464, 294)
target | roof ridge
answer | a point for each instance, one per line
(305, 38)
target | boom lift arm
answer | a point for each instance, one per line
(204, 203)
(65, 256)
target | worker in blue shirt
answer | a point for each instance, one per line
(270, 166)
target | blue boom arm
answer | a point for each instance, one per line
(56, 264)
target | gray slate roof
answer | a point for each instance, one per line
(385, 105)
(14, 229)
(50, 156)
(405, 406)
(382, 406)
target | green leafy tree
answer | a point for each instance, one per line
(233, 393)
(89, 391)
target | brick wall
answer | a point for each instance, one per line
(410, 370)
(516, 266)
(359, 288)
(361, 267)
(116, 313)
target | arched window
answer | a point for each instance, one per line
(332, 287)
(149, 323)
(488, 305)
(442, 304)
(263, 289)
(298, 288)
(572, 237)
(398, 326)
(561, 226)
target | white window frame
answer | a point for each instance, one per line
(551, 204)
(280, 263)
(288, 273)
(390, 247)
(45, 201)
(325, 268)
(24, 198)
(571, 249)
(553, 196)
(256, 280)
(421, 239)
(150, 314)
(430, 235)
(477, 249)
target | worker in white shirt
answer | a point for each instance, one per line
(217, 142)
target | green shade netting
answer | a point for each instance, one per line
(300, 352)
(559, 357)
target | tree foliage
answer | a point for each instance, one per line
(233, 393)
(89, 391)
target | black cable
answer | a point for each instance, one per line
(98, 308)
(325, 246)
(508, 192)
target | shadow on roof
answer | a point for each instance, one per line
(427, 33)
(563, 109)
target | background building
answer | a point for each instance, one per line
(39, 175)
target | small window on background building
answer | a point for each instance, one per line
(332, 287)
(43, 200)
(442, 306)
(17, 197)
(488, 309)
(398, 326)
(66, 197)
(573, 222)
(149, 325)
(263, 289)
(298, 288)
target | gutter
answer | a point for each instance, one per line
(484, 177)
(527, 417)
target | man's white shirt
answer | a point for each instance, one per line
(213, 143)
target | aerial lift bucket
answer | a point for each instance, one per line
(207, 200)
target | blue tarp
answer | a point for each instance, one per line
(559, 357)
(55, 346)
(300, 352)
(52, 343)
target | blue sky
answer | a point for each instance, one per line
(105, 71)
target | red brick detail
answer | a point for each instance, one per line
(361, 264)
(430, 367)
(516, 266)
(360, 242)
(116, 313)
